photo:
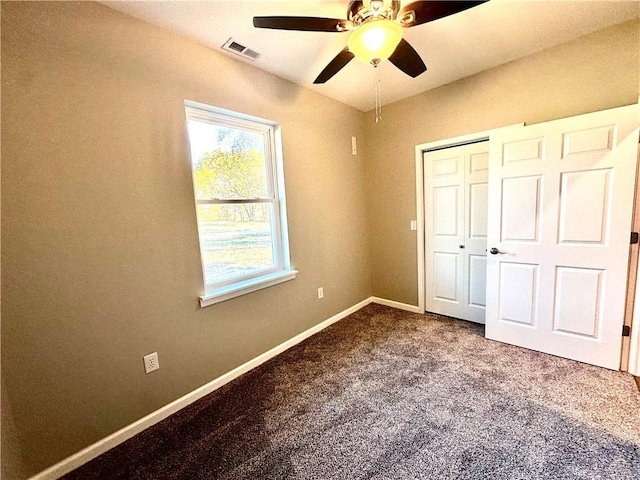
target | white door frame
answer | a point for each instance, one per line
(633, 363)
(419, 151)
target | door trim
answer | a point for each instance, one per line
(420, 200)
(631, 345)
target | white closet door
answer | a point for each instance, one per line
(456, 230)
(475, 251)
(560, 207)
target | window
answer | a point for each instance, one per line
(239, 196)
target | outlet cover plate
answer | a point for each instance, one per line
(151, 362)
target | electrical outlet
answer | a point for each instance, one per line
(320, 292)
(151, 362)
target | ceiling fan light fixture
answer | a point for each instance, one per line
(375, 40)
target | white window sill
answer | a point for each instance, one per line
(248, 286)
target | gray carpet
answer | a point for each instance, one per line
(387, 394)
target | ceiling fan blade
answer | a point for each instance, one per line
(424, 12)
(335, 65)
(307, 24)
(407, 59)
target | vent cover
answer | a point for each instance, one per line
(239, 49)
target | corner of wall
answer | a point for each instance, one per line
(11, 464)
(364, 149)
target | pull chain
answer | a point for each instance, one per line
(377, 94)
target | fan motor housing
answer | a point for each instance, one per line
(358, 14)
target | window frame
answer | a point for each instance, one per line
(281, 270)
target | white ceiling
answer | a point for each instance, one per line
(454, 47)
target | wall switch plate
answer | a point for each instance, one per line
(320, 292)
(354, 148)
(151, 362)
(414, 225)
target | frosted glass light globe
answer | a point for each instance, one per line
(375, 40)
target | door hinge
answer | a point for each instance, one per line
(626, 331)
(634, 238)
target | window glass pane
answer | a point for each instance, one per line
(236, 240)
(228, 163)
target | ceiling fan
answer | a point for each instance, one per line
(376, 31)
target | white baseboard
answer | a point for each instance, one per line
(391, 303)
(92, 451)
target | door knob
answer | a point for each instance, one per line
(461, 246)
(494, 251)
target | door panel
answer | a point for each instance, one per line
(478, 280)
(577, 301)
(529, 149)
(584, 206)
(591, 140)
(560, 203)
(521, 209)
(446, 210)
(518, 292)
(443, 167)
(478, 161)
(447, 280)
(478, 196)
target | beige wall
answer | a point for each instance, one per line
(100, 257)
(595, 72)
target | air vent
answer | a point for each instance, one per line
(239, 49)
